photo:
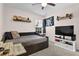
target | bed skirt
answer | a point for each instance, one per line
(35, 48)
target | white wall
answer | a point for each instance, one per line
(74, 21)
(10, 25)
(1, 19)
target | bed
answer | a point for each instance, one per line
(32, 42)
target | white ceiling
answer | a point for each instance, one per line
(37, 8)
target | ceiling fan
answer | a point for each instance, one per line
(44, 4)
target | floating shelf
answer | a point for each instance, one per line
(67, 16)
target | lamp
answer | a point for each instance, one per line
(44, 4)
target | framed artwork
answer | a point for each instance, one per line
(49, 21)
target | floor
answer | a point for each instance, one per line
(55, 51)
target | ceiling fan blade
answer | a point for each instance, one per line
(52, 4)
(36, 3)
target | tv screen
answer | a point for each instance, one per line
(64, 30)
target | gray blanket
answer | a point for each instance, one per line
(30, 39)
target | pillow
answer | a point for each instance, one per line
(8, 35)
(15, 34)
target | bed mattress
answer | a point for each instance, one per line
(27, 40)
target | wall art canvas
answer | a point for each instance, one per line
(50, 21)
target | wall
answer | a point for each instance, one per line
(74, 21)
(1, 19)
(10, 25)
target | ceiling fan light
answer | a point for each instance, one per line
(44, 4)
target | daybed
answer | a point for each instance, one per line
(31, 41)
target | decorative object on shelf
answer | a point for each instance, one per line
(49, 21)
(37, 24)
(22, 19)
(39, 29)
(67, 16)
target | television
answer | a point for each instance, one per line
(64, 30)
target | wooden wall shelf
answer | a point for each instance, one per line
(67, 16)
(21, 19)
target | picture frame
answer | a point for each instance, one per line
(49, 21)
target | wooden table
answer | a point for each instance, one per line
(15, 49)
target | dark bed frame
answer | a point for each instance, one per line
(32, 48)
